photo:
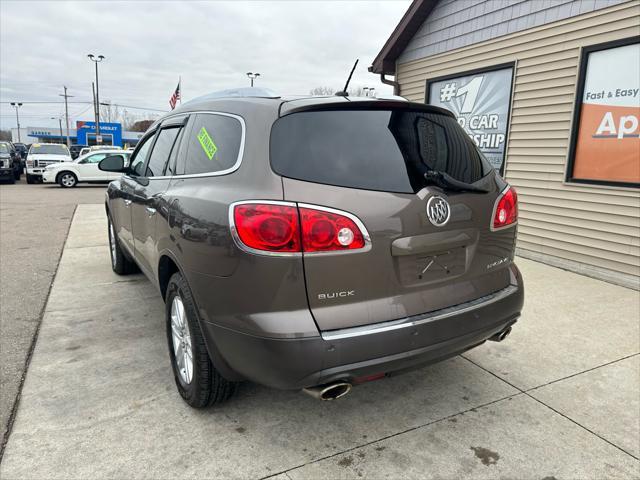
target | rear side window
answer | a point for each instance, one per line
(161, 151)
(214, 144)
(387, 150)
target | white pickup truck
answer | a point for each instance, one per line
(42, 154)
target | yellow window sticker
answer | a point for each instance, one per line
(207, 143)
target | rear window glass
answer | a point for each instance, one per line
(214, 144)
(49, 149)
(387, 150)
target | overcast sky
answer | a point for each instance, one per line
(148, 44)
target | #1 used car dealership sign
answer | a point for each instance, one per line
(480, 102)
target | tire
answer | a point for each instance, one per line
(120, 264)
(30, 179)
(67, 180)
(204, 386)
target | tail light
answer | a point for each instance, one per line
(505, 213)
(287, 228)
(268, 227)
(327, 231)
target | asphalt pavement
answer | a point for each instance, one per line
(560, 398)
(34, 221)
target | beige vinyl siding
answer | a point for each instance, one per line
(598, 226)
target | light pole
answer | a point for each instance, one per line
(252, 76)
(59, 123)
(97, 60)
(17, 105)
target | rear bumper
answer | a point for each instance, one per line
(348, 354)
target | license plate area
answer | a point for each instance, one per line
(432, 267)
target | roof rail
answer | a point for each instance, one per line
(238, 93)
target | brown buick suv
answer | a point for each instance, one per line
(314, 243)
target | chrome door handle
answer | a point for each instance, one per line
(127, 203)
(151, 211)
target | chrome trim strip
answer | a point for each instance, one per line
(493, 213)
(229, 170)
(240, 244)
(243, 247)
(356, 220)
(418, 320)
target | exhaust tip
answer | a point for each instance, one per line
(505, 333)
(333, 391)
(500, 336)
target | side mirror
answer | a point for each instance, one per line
(113, 163)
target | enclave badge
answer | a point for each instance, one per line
(438, 211)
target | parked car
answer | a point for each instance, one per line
(93, 148)
(22, 149)
(75, 150)
(42, 154)
(82, 170)
(314, 243)
(10, 165)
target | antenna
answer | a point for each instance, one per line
(344, 92)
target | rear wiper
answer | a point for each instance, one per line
(447, 182)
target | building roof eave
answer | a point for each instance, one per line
(414, 17)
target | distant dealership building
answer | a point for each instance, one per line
(550, 92)
(83, 134)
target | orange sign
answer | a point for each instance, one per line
(608, 144)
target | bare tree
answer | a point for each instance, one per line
(141, 125)
(130, 121)
(109, 112)
(358, 91)
(322, 91)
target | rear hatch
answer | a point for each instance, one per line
(369, 159)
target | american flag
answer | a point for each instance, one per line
(175, 97)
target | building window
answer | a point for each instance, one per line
(481, 101)
(605, 141)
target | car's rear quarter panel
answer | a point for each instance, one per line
(255, 294)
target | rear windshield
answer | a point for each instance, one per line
(49, 149)
(387, 150)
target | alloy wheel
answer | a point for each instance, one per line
(112, 244)
(181, 340)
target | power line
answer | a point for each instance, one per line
(89, 102)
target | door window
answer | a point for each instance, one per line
(214, 144)
(171, 164)
(94, 158)
(140, 156)
(161, 151)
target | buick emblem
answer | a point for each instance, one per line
(438, 211)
